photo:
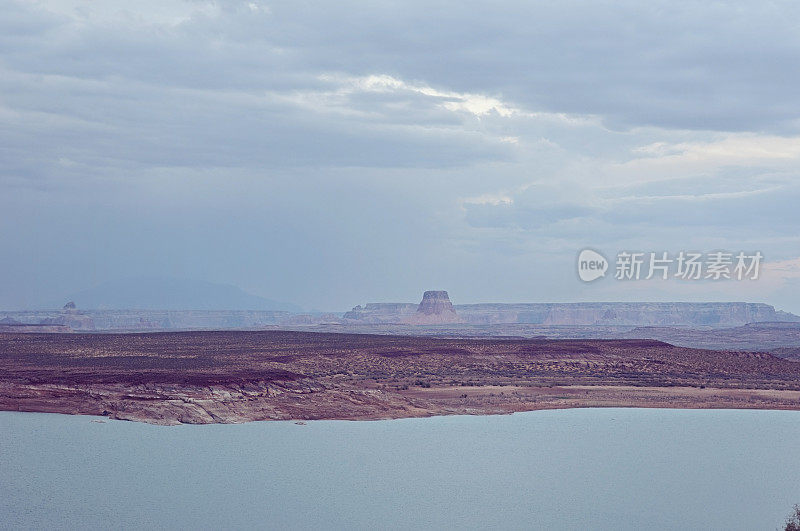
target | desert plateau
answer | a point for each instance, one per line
(239, 376)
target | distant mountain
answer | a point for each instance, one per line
(173, 294)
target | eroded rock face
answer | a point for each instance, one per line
(435, 308)
(435, 303)
(382, 312)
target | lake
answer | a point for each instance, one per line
(566, 469)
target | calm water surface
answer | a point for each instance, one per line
(569, 469)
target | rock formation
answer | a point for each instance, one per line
(434, 309)
(382, 312)
(705, 314)
(9, 324)
(697, 314)
(72, 319)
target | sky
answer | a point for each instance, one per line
(335, 153)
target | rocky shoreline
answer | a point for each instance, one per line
(166, 405)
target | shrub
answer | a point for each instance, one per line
(793, 521)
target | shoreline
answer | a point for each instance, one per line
(175, 407)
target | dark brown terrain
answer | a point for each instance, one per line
(206, 377)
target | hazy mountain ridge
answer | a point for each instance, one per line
(91, 320)
(153, 293)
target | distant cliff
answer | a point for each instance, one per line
(705, 314)
(434, 309)
(91, 320)
(382, 312)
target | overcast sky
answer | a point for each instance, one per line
(338, 153)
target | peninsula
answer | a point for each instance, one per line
(239, 376)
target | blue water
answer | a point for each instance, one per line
(569, 469)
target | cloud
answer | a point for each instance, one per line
(476, 104)
(748, 213)
(783, 269)
(403, 143)
(689, 66)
